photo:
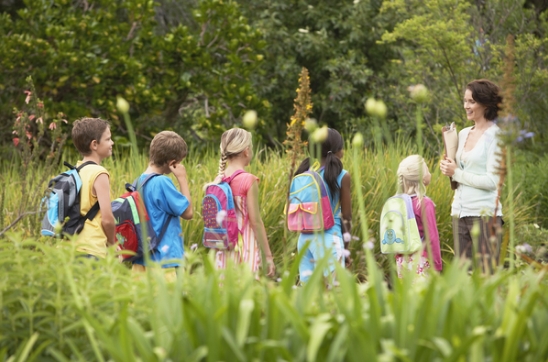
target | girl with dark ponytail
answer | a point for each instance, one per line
(332, 241)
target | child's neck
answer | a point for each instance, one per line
(234, 165)
(155, 169)
(93, 158)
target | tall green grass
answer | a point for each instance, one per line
(378, 182)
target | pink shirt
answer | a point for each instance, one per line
(430, 218)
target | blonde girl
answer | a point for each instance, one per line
(413, 177)
(236, 153)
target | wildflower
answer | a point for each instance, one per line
(419, 93)
(31, 117)
(15, 141)
(249, 120)
(194, 247)
(39, 120)
(221, 215)
(523, 135)
(524, 248)
(279, 280)
(369, 245)
(28, 134)
(347, 237)
(346, 253)
(52, 126)
(40, 104)
(122, 105)
(28, 93)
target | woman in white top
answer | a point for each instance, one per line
(475, 170)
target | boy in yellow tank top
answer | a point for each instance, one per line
(92, 139)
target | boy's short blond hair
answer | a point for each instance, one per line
(85, 130)
(167, 146)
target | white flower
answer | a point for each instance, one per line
(347, 237)
(369, 245)
(193, 246)
(221, 215)
(346, 253)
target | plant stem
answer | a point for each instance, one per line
(510, 203)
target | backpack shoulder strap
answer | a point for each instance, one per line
(139, 185)
(233, 176)
(79, 167)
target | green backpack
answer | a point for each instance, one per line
(399, 233)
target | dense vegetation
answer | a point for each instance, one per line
(195, 66)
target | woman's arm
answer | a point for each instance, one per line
(257, 225)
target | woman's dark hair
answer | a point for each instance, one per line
(333, 165)
(487, 94)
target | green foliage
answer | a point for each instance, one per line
(58, 306)
(193, 79)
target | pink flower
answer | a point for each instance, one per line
(39, 120)
(16, 141)
(31, 117)
(29, 135)
(52, 126)
(40, 104)
(28, 93)
(64, 120)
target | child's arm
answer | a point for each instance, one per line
(101, 186)
(346, 205)
(179, 171)
(257, 225)
(433, 235)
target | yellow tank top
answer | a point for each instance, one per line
(92, 240)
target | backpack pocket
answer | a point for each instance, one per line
(393, 233)
(126, 237)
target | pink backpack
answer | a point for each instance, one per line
(219, 215)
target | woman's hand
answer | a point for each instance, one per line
(448, 167)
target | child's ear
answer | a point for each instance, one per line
(93, 145)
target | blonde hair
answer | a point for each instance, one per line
(411, 173)
(167, 146)
(233, 142)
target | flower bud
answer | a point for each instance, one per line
(122, 105)
(249, 119)
(320, 134)
(357, 141)
(375, 108)
(419, 93)
(310, 125)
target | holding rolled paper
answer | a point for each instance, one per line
(451, 143)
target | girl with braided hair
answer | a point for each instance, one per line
(236, 153)
(413, 177)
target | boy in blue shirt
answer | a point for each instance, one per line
(164, 202)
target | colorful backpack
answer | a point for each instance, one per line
(129, 212)
(309, 207)
(63, 204)
(399, 233)
(219, 215)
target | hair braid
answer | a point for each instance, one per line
(222, 164)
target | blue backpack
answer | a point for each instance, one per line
(63, 204)
(309, 206)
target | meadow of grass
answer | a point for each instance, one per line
(55, 306)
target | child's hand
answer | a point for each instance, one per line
(178, 169)
(271, 268)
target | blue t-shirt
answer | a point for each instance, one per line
(164, 202)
